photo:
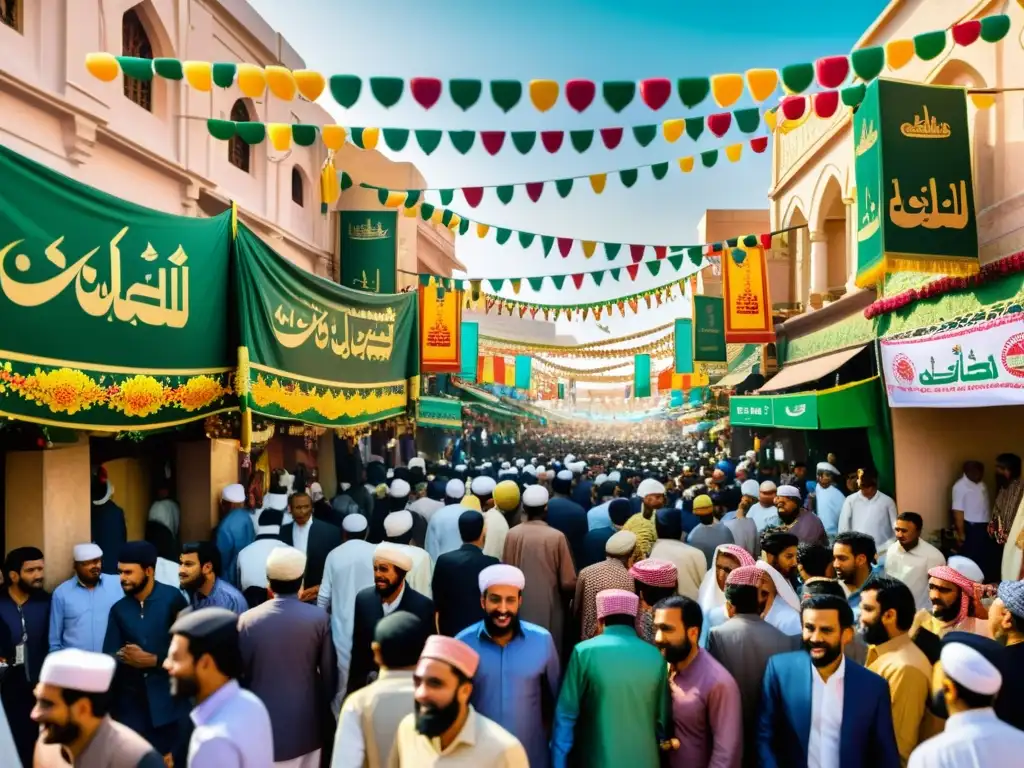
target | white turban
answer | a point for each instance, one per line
(501, 575)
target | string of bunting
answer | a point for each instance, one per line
(570, 349)
(661, 344)
(661, 350)
(726, 89)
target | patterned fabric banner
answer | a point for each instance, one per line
(915, 190)
(524, 369)
(684, 345)
(369, 248)
(709, 330)
(470, 349)
(642, 376)
(748, 307)
(440, 323)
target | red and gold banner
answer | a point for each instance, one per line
(495, 369)
(668, 379)
(748, 307)
(440, 324)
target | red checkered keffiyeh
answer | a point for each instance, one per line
(954, 576)
(616, 601)
(654, 572)
(738, 552)
(745, 576)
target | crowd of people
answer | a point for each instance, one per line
(573, 600)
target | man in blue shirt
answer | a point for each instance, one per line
(197, 572)
(235, 532)
(519, 675)
(81, 605)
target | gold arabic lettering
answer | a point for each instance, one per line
(927, 127)
(928, 211)
(364, 335)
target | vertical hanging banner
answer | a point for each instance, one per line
(708, 330)
(470, 333)
(561, 390)
(748, 307)
(684, 345)
(641, 376)
(369, 250)
(440, 324)
(485, 369)
(524, 371)
(915, 188)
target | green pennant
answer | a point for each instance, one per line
(526, 239)
(928, 45)
(695, 254)
(446, 217)
(412, 196)
(732, 242)
(524, 140)
(853, 95)
(224, 73)
(628, 177)
(221, 129)
(346, 181)
(546, 242)
(447, 195)
(611, 250)
(132, 66)
(505, 193)
(424, 280)
(387, 90)
(497, 283)
(747, 120)
(654, 267)
(598, 276)
(465, 93)
(659, 171)
(506, 93)
(694, 127)
(464, 226)
(558, 281)
(750, 241)
(382, 196)
(536, 283)
(356, 134)
(581, 140)
(994, 28)
(428, 140)
(501, 235)
(345, 89)
(251, 133)
(462, 140)
(709, 158)
(426, 211)
(168, 69)
(303, 134)
(396, 138)
(797, 77)
(564, 187)
(867, 63)
(644, 134)
(693, 90)
(676, 260)
(618, 93)
(615, 273)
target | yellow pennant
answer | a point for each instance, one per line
(333, 136)
(771, 119)
(280, 136)
(588, 247)
(310, 84)
(281, 82)
(673, 129)
(454, 223)
(199, 74)
(102, 66)
(482, 230)
(685, 164)
(983, 100)
(395, 199)
(516, 285)
(251, 80)
(762, 83)
(370, 138)
(597, 182)
(543, 94)
(898, 53)
(733, 152)
(726, 89)
(412, 212)
(330, 190)
(437, 216)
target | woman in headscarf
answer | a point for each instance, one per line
(711, 597)
(783, 604)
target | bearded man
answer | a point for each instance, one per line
(951, 589)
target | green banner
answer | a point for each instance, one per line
(709, 330)
(369, 248)
(751, 411)
(641, 376)
(915, 190)
(470, 351)
(318, 352)
(798, 411)
(561, 391)
(440, 412)
(684, 345)
(113, 315)
(524, 369)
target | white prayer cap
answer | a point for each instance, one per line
(767, 487)
(533, 460)
(535, 496)
(286, 564)
(541, 470)
(648, 487)
(602, 478)
(569, 459)
(418, 462)
(389, 553)
(824, 466)
(390, 474)
(86, 552)
(482, 486)
(968, 667)
(505, 465)
(578, 467)
(355, 523)
(501, 575)
(751, 455)
(520, 463)
(398, 523)
(565, 474)
(615, 477)
(78, 670)
(316, 491)
(750, 488)
(455, 489)
(968, 568)
(399, 489)
(234, 493)
(529, 469)
(620, 543)
(789, 491)
(460, 467)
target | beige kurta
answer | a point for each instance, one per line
(481, 743)
(542, 554)
(690, 563)
(378, 709)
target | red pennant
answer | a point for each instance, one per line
(793, 107)
(632, 269)
(533, 312)
(655, 92)
(967, 33)
(552, 140)
(719, 124)
(522, 311)
(577, 280)
(611, 137)
(580, 93)
(826, 103)
(473, 195)
(533, 190)
(661, 251)
(622, 307)
(766, 240)
(657, 298)
(426, 90)
(832, 71)
(636, 252)
(647, 300)
(492, 141)
(564, 246)
(759, 145)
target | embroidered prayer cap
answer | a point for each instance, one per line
(702, 505)
(1012, 595)
(354, 522)
(506, 495)
(535, 496)
(452, 651)
(650, 487)
(824, 466)
(234, 493)
(398, 523)
(399, 489)
(389, 553)
(745, 576)
(501, 575)
(286, 564)
(139, 553)
(957, 577)
(767, 487)
(750, 488)
(482, 486)
(744, 557)
(83, 553)
(972, 661)
(620, 543)
(788, 491)
(455, 489)
(612, 602)
(654, 572)
(78, 670)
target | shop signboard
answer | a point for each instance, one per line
(799, 411)
(751, 412)
(980, 365)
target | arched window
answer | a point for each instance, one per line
(135, 42)
(238, 150)
(297, 190)
(10, 14)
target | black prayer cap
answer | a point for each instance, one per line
(206, 623)
(401, 637)
(139, 552)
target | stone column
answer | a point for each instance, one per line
(48, 504)
(851, 240)
(819, 269)
(204, 468)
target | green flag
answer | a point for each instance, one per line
(369, 250)
(709, 330)
(470, 350)
(684, 345)
(523, 365)
(641, 376)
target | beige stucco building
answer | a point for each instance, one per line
(148, 142)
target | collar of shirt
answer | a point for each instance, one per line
(391, 607)
(875, 652)
(205, 712)
(466, 736)
(616, 629)
(839, 674)
(483, 634)
(970, 718)
(395, 674)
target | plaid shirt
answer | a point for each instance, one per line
(610, 574)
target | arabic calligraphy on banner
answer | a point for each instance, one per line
(113, 314)
(915, 192)
(440, 324)
(316, 351)
(369, 248)
(981, 365)
(748, 306)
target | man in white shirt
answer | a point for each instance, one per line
(870, 511)
(252, 560)
(443, 529)
(764, 513)
(910, 557)
(828, 500)
(398, 532)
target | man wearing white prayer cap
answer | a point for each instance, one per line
(72, 703)
(764, 513)
(418, 462)
(80, 606)
(252, 561)
(972, 678)
(652, 497)
(398, 527)
(483, 488)
(235, 531)
(443, 528)
(828, 500)
(297, 685)
(518, 662)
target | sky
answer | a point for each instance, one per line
(561, 40)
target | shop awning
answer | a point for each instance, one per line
(748, 358)
(843, 407)
(803, 373)
(440, 412)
